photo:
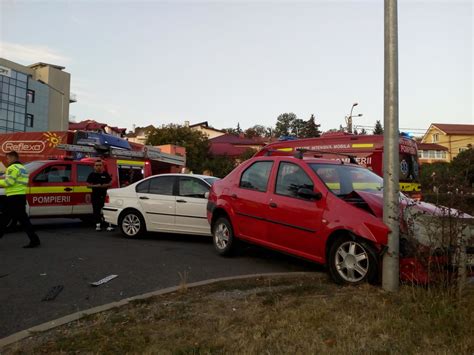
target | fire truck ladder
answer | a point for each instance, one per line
(148, 153)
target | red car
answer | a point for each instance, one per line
(320, 210)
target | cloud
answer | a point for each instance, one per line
(29, 54)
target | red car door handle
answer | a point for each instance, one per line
(273, 205)
(68, 189)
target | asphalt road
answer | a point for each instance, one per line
(74, 255)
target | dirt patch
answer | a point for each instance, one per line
(303, 314)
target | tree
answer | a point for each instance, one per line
(297, 127)
(270, 132)
(284, 124)
(238, 129)
(195, 142)
(247, 154)
(378, 129)
(255, 131)
(363, 132)
(356, 132)
(463, 168)
(220, 165)
(230, 131)
(311, 129)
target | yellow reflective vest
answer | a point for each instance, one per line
(15, 180)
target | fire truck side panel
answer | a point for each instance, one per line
(81, 195)
(50, 191)
(34, 145)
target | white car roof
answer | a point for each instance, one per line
(180, 174)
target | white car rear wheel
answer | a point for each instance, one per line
(132, 224)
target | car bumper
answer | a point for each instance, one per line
(111, 214)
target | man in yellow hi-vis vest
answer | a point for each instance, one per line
(15, 183)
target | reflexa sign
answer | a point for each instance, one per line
(23, 146)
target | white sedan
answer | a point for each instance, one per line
(172, 203)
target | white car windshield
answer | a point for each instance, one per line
(343, 179)
(211, 180)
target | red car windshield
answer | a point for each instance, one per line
(343, 179)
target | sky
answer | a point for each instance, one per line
(246, 62)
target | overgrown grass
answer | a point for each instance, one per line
(297, 315)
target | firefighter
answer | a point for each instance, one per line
(99, 180)
(15, 183)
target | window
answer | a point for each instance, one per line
(128, 174)
(290, 179)
(20, 92)
(54, 173)
(162, 185)
(420, 154)
(22, 77)
(343, 179)
(431, 154)
(256, 176)
(83, 172)
(30, 96)
(19, 118)
(435, 137)
(29, 120)
(143, 187)
(192, 187)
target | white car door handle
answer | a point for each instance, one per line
(144, 198)
(181, 201)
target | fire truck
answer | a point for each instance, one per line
(60, 162)
(366, 150)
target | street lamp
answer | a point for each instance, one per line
(62, 102)
(349, 118)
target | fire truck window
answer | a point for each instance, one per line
(83, 172)
(130, 174)
(162, 185)
(192, 187)
(54, 173)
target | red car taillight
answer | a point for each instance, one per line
(107, 199)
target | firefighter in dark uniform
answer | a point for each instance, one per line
(15, 183)
(99, 180)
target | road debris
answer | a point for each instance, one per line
(53, 293)
(104, 280)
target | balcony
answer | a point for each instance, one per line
(72, 97)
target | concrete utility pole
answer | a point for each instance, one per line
(391, 263)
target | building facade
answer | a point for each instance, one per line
(454, 137)
(34, 98)
(432, 153)
(204, 128)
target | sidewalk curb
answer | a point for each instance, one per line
(15, 337)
